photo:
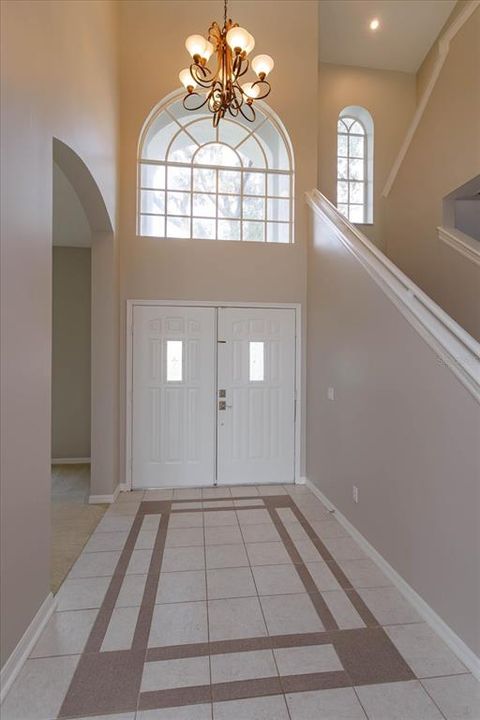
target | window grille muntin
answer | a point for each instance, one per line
(264, 191)
(356, 209)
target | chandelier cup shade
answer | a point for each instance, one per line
(220, 90)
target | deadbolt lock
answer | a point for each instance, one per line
(222, 393)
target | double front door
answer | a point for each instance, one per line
(213, 396)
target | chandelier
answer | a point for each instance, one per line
(222, 91)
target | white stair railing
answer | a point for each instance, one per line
(456, 347)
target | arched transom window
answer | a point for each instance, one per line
(233, 182)
(355, 164)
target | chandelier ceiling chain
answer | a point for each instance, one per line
(222, 90)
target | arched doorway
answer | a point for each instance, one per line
(104, 323)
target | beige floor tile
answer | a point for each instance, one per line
(220, 517)
(277, 580)
(264, 532)
(342, 610)
(175, 587)
(65, 634)
(225, 535)
(183, 558)
(223, 556)
(39, 690)
(427, 655)
(188, 712)
(185, 520)
(184, 537)
(121, 628)
(215, 492)
(271, 490)
(267, 553)
(157, 495)
(296, 531)
(289, 614)
(389, 606)
(262, 708)
(458, 697)
(343, 548)
(235, 618)
(398, 701)
(329, 529)
(338, 704)
(179, 623)
(364, 573)
(145, 540)
(249, 502)
(230, 583)
(232, 667)
(309, 659)
(82, 594)
(131, 591)
(187, 494)
(95, 565)
(238, 491)
(139, 562)
(322, 576)
(253, 517)
(106, 541)
(167, 674)
(307, 551)
(114, 523)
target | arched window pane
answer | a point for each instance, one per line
(233, 182)
(355, 164)
(217, 154)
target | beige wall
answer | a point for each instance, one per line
(64, 86)
(211, 270)
(71, 348)
(402, 428)
(390, 98)
(444, 154)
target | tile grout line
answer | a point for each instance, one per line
(266, 626)
(321, 608)
(208, 618)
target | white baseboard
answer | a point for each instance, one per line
(71, 461)
(25, 646)
(302, 480)
(97, 499)
(454, 642)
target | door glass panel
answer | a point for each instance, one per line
(174, 360)
(256, 361)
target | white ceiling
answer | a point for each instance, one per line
(407, 30)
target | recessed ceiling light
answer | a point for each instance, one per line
(374, 24)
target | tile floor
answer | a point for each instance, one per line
(242, 603)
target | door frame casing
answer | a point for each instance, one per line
(211, 304)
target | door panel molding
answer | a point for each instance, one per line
(132, 303)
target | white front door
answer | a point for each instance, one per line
(173, 396)
(256, 396)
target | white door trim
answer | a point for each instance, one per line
(216, 304)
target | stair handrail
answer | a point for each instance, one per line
(459, 349)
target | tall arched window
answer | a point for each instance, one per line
(355, 164)
(233, 182)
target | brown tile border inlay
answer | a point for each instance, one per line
(109, 682)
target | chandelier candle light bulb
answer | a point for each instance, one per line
(220, 89)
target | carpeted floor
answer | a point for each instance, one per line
(73, 519)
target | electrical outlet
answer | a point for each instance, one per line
(355, 493)
(331, 393)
